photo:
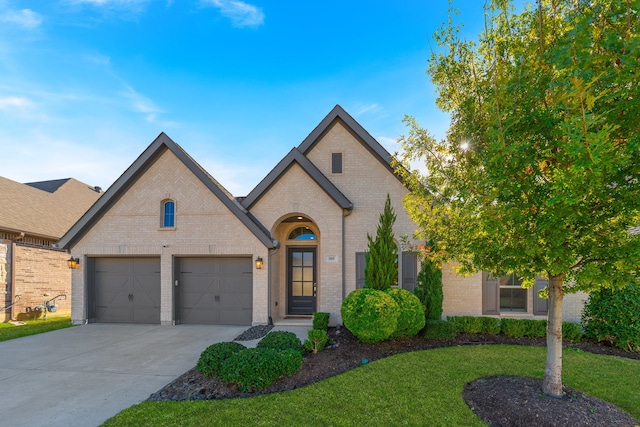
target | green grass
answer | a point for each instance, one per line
(419, 388)
(32, 327)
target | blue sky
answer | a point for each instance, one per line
(87, 85)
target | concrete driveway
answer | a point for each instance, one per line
(83, 375)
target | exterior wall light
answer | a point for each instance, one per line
(73, 263)
(259, 263)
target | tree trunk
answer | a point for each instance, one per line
(552, 383)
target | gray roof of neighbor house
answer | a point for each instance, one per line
(159, 146)
(45, 209)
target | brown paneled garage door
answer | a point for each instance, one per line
(215, 291)
(126, 290)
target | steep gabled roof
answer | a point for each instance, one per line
(46, 210)
(295, 156)
(159, 146)
(339, 114)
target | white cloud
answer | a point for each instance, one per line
(362, 109)
(26, 18)
(240, 13)
(15, 102)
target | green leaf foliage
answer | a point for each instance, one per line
(321, 320)
(475, 324)
(429, 288)
(439, 330)
(613, 317)
(317, 340)
(213, 357)
(381, 259)
(411, 319)
(256, 368)
(280, 340)
(371, 315)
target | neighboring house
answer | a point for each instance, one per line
(168, 244)
(33, 217)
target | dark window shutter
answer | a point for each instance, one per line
(360, 261)
(490, 293)
(409, 270)
(540, 305)
(336, 162)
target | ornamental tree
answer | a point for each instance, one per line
(381, 259)
(538, 172)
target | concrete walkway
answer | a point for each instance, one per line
(83, 375)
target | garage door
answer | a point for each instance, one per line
(215, 291)
(127, 290)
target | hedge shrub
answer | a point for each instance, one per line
(281, 340)
(475, 325)
(256, 368)
(317, 340)
(612, 316)
(321, 320)
(213, 356)
(571, 331)
(439, 330)
(411, 319)
(370, 315)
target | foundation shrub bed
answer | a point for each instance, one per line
(257, 368)
(439, 330)
(281, 340)
(571, 331)
(612, 316)
(475, 325)
(371, 315)
(321, 320)
(213, 357)
(411, 319)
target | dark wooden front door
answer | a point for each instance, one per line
(301, 281)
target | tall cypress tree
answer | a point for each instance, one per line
(381, 267)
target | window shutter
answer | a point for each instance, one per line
(409, 270)
(360, 261)
(540, 305)
(490, 294)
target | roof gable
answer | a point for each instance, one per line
(359, 133)
(160, 145)
(295, 156)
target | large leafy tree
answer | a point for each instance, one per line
(538, 172)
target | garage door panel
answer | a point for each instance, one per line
(216, 291)
(127, 290)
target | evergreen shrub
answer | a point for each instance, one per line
(256, 368)
(281, 340)
(612, 316)
(439, 330)
(475, 324)
(371, 315)
(571, 331)
(411, 319)
(429, 289)
(317, 340)
(213, 357)
(321, 320)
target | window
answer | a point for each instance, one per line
(513, 297)
(302, 233)
(168, 214)
(506, 295)
(336, 162)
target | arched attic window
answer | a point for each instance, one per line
(168, 214)
(302, 233)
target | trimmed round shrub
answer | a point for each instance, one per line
(212, 357)
(281, 340)
(257, 368)
(612, 316)
(371, 315)
(411, 319)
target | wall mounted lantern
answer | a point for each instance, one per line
(259, 263)
(73, 263)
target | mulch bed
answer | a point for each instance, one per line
(499, 401)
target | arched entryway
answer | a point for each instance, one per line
(296, 278)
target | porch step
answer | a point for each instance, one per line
(294, 321)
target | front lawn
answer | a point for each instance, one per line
(418, 388)
(32, 327)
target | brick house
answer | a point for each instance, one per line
(168, 244)
(33, 217)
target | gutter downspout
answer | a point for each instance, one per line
(12, 313)
(271, 253)
(345, 213)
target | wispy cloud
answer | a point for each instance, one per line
(363, 109)
(240, 13)
(15, 102)
(146, 106)
(26, 18)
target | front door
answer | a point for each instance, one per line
(301, 281)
